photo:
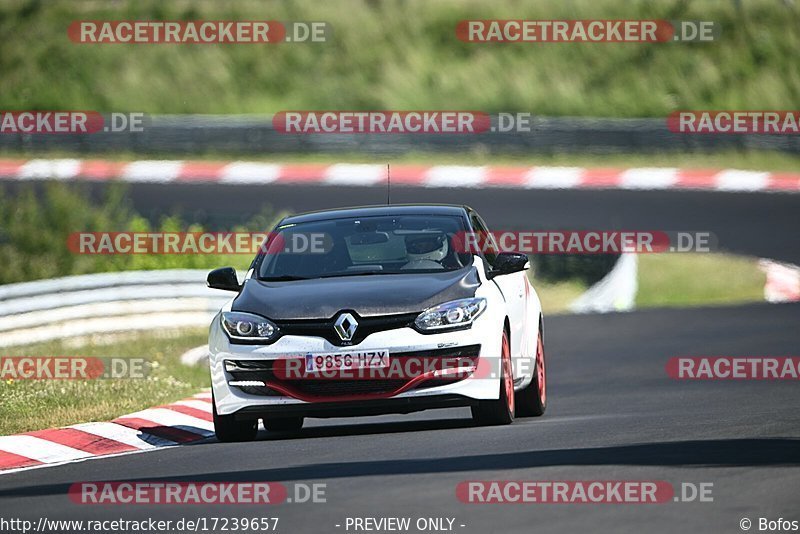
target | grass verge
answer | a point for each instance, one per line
(684, 280)
(27, 405)
(674, 280)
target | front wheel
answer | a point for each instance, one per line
(500, 411)
(532, 401)
(228, 429)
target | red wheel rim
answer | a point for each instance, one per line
(541, 376)
(508, 376)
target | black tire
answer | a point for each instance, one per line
(228, 429)
(532, 401)
(500, 411)
(283, 424)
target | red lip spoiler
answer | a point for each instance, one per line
(291, 392)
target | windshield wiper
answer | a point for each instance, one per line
(357, 273)
(289, 277)
(283, 278)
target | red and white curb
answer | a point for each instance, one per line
(173, 424)
(520, 177)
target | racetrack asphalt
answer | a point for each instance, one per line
(614, 414)
(750, 223)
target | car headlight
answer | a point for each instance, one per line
(450, 315)
(248, 327)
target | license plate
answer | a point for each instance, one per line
(342, 361)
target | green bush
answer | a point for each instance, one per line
(587, 268)
(36, 222)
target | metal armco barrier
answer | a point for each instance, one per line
(32, 312)
(248, 134)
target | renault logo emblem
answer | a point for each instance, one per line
(345, 326)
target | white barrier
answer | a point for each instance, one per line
(783, 281)
(616, 292)
(45, 310)
(196, 356)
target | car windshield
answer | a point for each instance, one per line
(364, 246)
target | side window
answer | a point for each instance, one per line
(490, 250)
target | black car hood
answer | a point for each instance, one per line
(372, 295)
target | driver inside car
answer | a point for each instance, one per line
(426, 251)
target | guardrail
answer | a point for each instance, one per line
(32, 312)
(254, 134)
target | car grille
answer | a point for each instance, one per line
(263, 370)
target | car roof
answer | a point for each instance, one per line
(371, 211)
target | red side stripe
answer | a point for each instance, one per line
(101, 169)
(188, 410)
(507, 176)
(408, 174)
(9, 460)
(83, 441)
(696, 179)
(312, 172)
(784, 182)
(601, 177)
(10, 167)
(167, 432)
(201, 171)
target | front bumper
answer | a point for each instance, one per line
(249, 403)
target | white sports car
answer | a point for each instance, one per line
(375, 310)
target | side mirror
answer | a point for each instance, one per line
(223, 278)
(509, 262)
